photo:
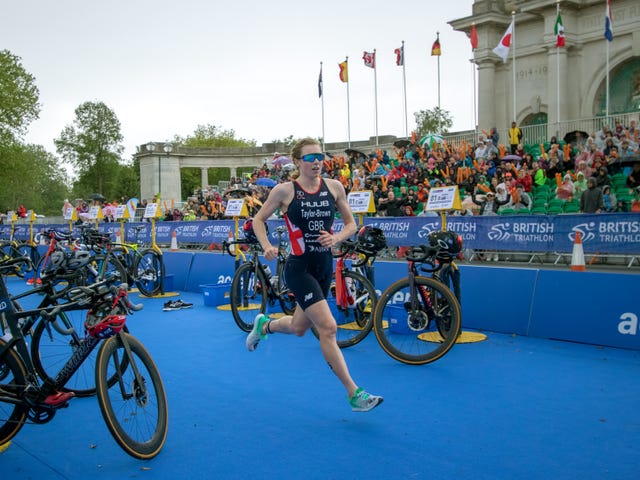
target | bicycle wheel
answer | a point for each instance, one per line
(54, 342)
(31, 252)
(421, 335)
(12, 382)
(247, 295)
(287, 298)
(149, 272)
(107, 266)
(134, 407)
(11, 251)
(125, 258)
(355, 320)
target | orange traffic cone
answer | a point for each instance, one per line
(174, 241)
(577, 256)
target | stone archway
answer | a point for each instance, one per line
(624, 89)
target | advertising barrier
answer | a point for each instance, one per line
(615, 233)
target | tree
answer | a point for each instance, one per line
(432, 121)
(92, 145)
(213, 136)
(18, 98)
(31, 177)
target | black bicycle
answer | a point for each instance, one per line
(253, 286)
(130, 391)
(418, 319)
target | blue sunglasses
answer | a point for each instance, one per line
(312, 157)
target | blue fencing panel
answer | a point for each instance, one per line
(595, 308)
(497, 299)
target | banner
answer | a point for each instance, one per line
(601, 233)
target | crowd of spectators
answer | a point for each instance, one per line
(492, 177)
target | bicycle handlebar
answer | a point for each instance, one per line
(424, 254)
(348, 247)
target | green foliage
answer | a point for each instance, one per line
(213, 136)
(31, 177)
(435, 120)
(92, 145)
(18, 98)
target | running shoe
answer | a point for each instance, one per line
(176, 305)
(254, 337)
(363, 401)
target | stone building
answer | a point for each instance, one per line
(553, 85)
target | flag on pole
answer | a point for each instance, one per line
(435, 48)
(473, 36)
(502, 49)
(559, 31)
(608, 25)
(344, 71)
(320, 83)
(399, 56)
(369, 59)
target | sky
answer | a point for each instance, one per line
(166, 67)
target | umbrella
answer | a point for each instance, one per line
(577, 136)
(98, 196)
(357, 153)
(626, 161)
(431, 138)
(281, 160)
(511, 158)
(266, 182)
(401, 143)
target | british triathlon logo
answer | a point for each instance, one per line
(587, 232)
(499, 232)
(427, 228)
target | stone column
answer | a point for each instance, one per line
(557, 68)
(234, 171)
(487, 94)
(204, 177)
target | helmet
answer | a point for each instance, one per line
(105, 327)
(449, 244)
(371, 240)
(62, 263)
(249, 234)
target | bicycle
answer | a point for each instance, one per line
(418, 319)
(130, 392)
(14, 249)
(53, 341)
(352, 296)
(144, 266)
(253, 286)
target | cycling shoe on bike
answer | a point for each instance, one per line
(59, 399)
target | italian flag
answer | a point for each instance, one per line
(559, 31)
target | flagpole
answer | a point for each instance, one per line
(607, 84)
(375, 90)
(438, 37)
(322, 102)
(557, 74)
(513, 66)
(348, 114)
(475, 109)
(404, 91)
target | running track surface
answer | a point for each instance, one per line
(506, 408)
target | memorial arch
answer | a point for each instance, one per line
(580, 66)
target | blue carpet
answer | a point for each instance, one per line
(506, 408)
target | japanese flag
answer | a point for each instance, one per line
(502, 49)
